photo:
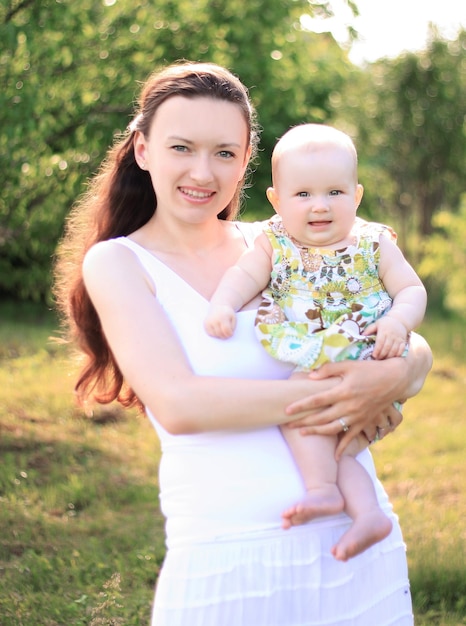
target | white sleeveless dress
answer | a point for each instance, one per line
(228, 561)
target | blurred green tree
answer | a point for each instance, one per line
(70, 72)
(444, 259)
(411, 133)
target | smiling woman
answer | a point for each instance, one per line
(143, 252)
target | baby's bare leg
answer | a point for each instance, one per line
(370, 524)
(315, 457)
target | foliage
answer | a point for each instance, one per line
(71, 71)
(411, 134)
(444, 259)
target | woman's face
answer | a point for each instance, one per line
(196, 152)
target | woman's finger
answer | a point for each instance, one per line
(344, 441)
(394, 417)
(315, 421)
(384, 424)
(331, 428)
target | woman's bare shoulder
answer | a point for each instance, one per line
(109, 263)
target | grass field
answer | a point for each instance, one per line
(81, 536)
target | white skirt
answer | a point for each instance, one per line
(285, 578)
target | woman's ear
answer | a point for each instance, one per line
(272, 197)
(139, 143)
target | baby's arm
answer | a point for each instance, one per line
(240, 284)
(409, 302)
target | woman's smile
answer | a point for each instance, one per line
(197, 195)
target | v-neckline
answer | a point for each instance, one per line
(153, 256)
(167, 268)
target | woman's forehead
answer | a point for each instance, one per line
(200, 116)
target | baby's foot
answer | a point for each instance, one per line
(326, 500)
(367, 529)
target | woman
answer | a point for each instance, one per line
(143, 252)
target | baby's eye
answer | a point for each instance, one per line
(335, 192)
(303, 194)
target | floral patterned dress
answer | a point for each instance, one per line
(319, 301)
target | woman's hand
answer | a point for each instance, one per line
(360, 403)
(380, 426)
(363, 399)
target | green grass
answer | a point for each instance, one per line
(81, 536)
(423, 469)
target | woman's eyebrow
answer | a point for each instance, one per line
(227, 144)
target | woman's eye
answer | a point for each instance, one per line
(226, 154)
(179, 148)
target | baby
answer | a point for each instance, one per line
(335, 287)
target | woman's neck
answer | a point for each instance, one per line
(199, 254)
(182, 239)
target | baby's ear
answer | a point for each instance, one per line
(358, 195)
(272, 197)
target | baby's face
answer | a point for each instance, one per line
(317, 195)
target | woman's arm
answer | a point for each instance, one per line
(154, 364)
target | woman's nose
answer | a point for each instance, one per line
(201, 170)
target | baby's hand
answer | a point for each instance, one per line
(220, 321)
(391, 337)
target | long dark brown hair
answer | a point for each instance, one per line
(119, 200)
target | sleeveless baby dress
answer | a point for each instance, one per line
(228, 561)
(319, 301)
